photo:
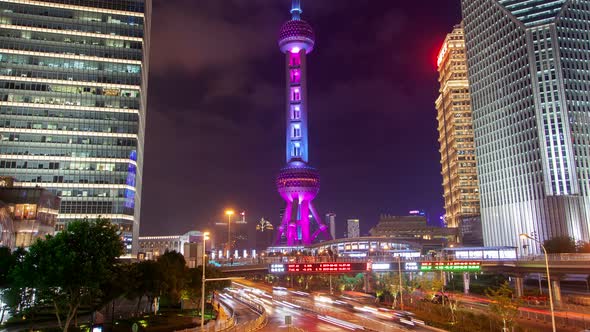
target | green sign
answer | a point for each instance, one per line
(134, 327)
(458, 266)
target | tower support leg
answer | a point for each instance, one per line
(284, 223)
(322, 228)
(304, 222)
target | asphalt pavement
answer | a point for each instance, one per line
(309, 315)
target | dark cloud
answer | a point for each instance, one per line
(216, 108)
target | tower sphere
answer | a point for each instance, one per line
(296, 34)
(298, 179)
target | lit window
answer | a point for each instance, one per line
(296, 150)
(295, 94)
(296, 112)
(294, 59)
(296, 131)
(295, 75)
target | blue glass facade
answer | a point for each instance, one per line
(73, 82)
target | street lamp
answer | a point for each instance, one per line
(229, 213)
(204, 264)
(399, 272)
(526, 236)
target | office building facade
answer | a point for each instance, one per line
(528, 71)
(331, 223)
(353, 228)
(73, 86)
(455, 129)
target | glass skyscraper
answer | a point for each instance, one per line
(529, 74)
(73, 83)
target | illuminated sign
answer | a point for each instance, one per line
(451, 266)
(277, 268)
(319, 267)
(380, 266)
(411, 266)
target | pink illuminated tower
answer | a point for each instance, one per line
(298, 183)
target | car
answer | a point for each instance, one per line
(323, 297)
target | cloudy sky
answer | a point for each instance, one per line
(215, 130)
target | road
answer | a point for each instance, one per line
(300, 319)
(242, 313)
(276, 313)
(311, 315)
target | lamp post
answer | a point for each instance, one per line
(548, 277)
(229, 213)
(399, 271)
(204, 264)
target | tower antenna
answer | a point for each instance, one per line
(296, 10)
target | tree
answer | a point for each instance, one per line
(194, 283)
(351, 282)
(70, 268)
(149, 282)
(174, 273)
(503, 305)
(583, 247)
(7, 263)
(560, 244)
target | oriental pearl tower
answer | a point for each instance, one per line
(298, 183)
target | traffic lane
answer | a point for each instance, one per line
(242, 313)
(327, 313)
(366, 319)
(362, 319)
(303, 320)
(276, 313)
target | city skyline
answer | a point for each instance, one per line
(229, 144)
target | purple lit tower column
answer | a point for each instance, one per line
(298, 183)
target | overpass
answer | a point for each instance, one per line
(560, 265)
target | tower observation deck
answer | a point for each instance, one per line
(297, 183)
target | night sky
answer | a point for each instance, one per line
(215, 128)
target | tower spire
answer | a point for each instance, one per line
(296, 10)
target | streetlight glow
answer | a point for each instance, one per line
(526, 236)
(204, 264)
(229, 212)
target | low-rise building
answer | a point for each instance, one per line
(151, 247)
(32, 211)
(414, 228)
